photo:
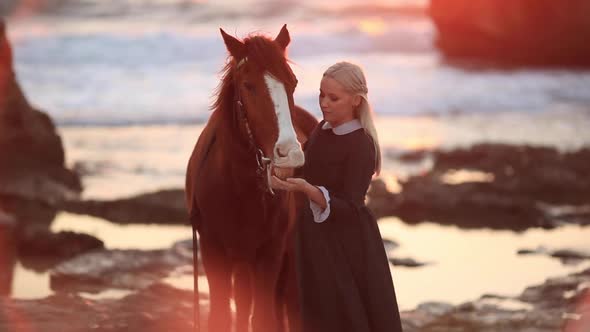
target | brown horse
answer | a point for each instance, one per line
(244, 227)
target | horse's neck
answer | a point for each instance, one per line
(238, 162)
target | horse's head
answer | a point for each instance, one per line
(263, 90)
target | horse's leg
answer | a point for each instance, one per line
(243, 296)
(266, 273)
(281, 296)
(218, 270)
(288, 291)
(288, 282)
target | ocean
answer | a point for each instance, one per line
(123, 62)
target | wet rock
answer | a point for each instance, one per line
(413, 156)
(570, 254)
(423, 315)
(567, 214)
(390, 244)
(469, 205)
(557, 292)
(183, 249)
(435, 308)
(162, 207)
(156, 308)
(28, 213)
(407, 262)
(31, 151)
(530, 251)
(541, 32)
(566, 256)
(120, 269)
(555, 305)
(43, 246)
(86, 168)
(540, 173)
(381, 202)
(516, 187)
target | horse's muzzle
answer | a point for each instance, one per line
(292, 159)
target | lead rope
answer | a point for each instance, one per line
(196, 295)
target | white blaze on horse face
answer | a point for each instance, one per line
(287, 151)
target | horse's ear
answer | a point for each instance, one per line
(236, 48)
(283, 38)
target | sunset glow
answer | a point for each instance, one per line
(463, 176)
(420, 142)
(372, 26)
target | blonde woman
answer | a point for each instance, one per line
(344, 278)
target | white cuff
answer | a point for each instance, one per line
(319, 215)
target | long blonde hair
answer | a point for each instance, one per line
(353, 79)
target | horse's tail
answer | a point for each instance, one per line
(196, 297)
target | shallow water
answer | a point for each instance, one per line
(29, 284)
(469, 263)
(463, 264)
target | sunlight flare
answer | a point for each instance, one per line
(372, 26)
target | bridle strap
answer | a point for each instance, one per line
(263, 169)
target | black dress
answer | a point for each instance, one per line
(344, 278)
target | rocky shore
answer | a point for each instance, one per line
(493, 186)
(559, 304)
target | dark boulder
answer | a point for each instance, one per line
(493, 186)
(160, 207)
(529, 32)
(32, 160)
(40, 249)
(541, 173)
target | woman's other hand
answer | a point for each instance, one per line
(290, 184)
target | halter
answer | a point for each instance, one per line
(263, 169)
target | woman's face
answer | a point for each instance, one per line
(336, 103)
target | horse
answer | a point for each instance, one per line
(245, 228)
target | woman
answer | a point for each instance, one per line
(344, 278)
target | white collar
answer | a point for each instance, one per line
(345, 128)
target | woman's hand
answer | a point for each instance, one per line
(299, 184)
(290, 184)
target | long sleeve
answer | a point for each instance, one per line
(319, 214)
(359, 169)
